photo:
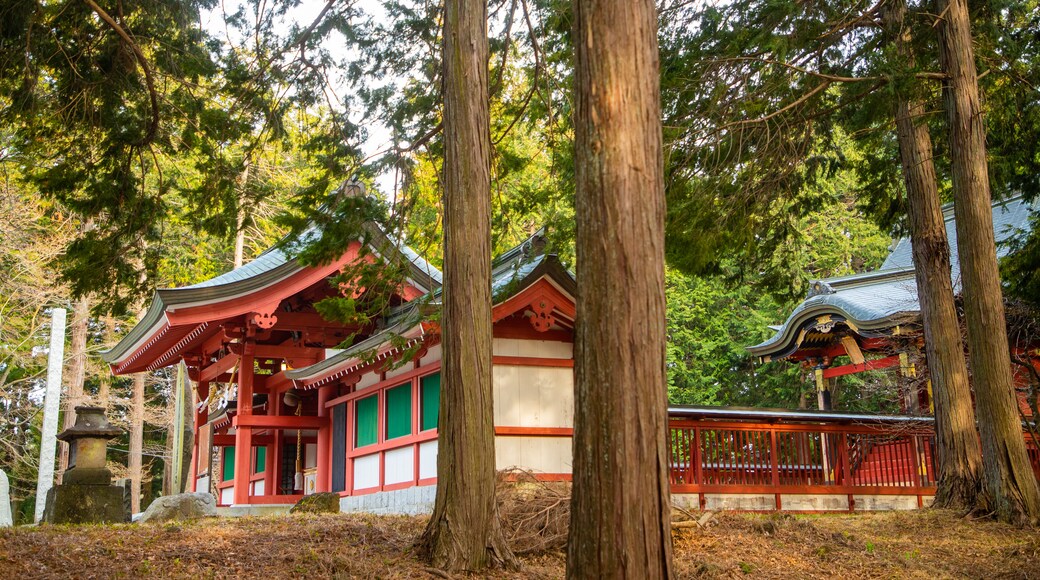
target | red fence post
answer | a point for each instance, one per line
(775, 464)
(846, 468)
(697, 464)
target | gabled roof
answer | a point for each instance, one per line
(274, 271)
(872, 303)
(512, 272)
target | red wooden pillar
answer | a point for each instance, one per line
(201, 457)
(324, 476)
(244, 435)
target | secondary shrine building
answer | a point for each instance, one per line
(872, 321)
(283, 413)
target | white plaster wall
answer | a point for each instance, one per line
(505, 347)
(537, 454)
(367, 380)
(405, 368)
(399, 466)
(546, 349)
(366, 471)
(428, 459)
(533, 396)
(227, 495)
(434, 354)
(310, 455)
(202, 484)
(258, 487)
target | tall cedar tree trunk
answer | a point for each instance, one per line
(620, 505)
(135, 459)
(136, 455)
(1009, 481)
(959, 455)
(77, 375)
(464, 533)
(105, 379)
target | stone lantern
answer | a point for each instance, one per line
(86, 494)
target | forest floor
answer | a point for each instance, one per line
(927, 544)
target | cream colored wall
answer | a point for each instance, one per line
(432, 355)
(533, 396)
(533, 348)
(530, 396)
(367, 380)
(537, 454)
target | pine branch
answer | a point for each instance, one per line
(153, 126)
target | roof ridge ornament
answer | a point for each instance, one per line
(820, 288)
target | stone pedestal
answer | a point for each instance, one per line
(86, 495)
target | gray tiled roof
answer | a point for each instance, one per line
(511, 272)
(888, 296)
(1009, 217)
(271, 266)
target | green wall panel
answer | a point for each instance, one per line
(431, 401)
(261, 460)
(399, 411)
(367, 421)
(229, 464)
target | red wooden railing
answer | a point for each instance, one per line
(710, 456)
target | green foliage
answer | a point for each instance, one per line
(710, 324)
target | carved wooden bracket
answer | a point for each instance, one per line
(263, 320)
(543, 318)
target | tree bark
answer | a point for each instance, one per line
(1009, 482)
(105, 380)
(958, 452)
(136, 455)
(464, 533)
(77, 373)
(620, 505)
(135, 459)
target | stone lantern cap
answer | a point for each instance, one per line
(90, 423)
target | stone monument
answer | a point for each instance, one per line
(86, 493)
(6, 520)
(51, 403)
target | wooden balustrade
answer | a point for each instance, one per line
(735, 457)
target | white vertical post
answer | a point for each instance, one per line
(177, 461)
(6, 520)
(48, 440)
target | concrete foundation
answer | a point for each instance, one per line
(814, 503)
(237, 511)
(886, 502)
(740, 501)
(410, 501)
(797, 502)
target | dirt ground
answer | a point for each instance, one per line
(889, 545)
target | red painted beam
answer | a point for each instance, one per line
(870, 365)
(280, 351)
(218, 368)
(280, 422)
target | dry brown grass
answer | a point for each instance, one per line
(890, 545)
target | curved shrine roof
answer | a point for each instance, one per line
(874, 302)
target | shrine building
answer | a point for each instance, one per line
(872, 321)
(284, 410)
